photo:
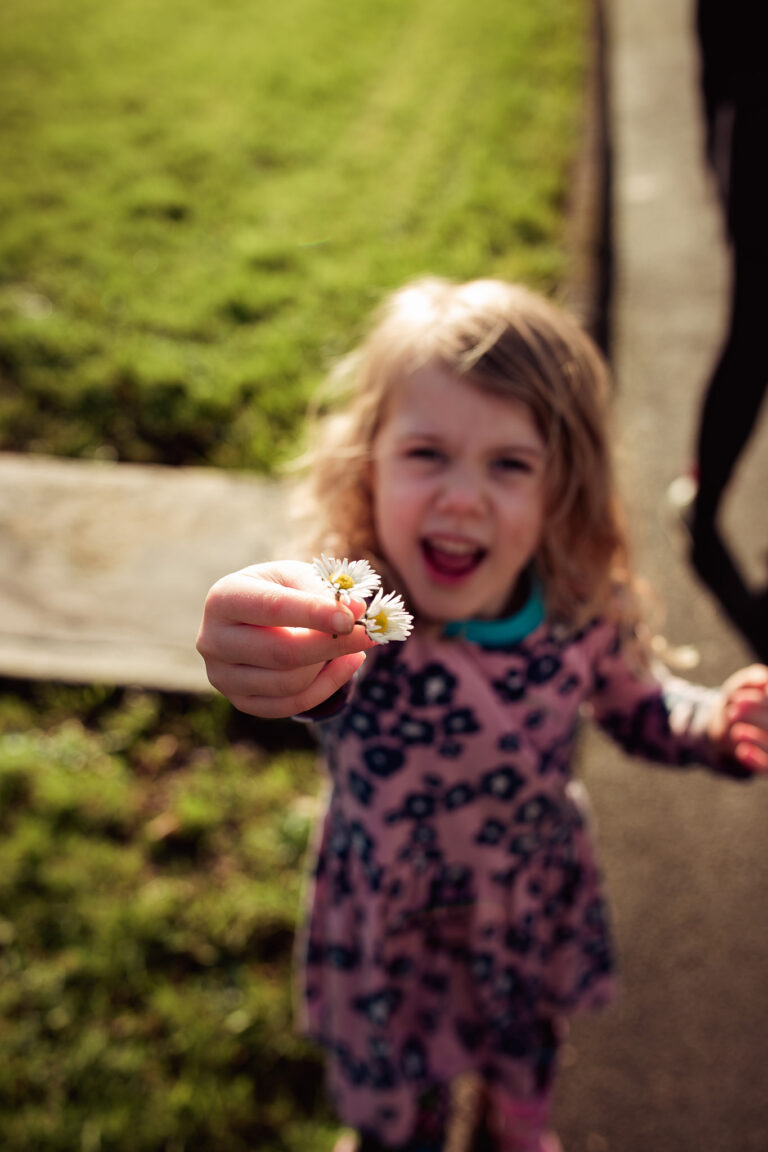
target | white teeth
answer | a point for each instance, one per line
(454, 547)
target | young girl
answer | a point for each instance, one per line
(457, 914)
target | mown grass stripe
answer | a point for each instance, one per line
(199, 203)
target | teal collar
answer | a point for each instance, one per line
(508, 630)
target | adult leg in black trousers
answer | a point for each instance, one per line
(735, 97)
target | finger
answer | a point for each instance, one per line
(252, 596)
(749, 733)
(751, 756)
(748, 704)
(750, 689)
(755, 676)
(281, 648)
(332, 677)
(237, 680)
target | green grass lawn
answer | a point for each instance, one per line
(150, 876)
(199, 204)
(200, 201)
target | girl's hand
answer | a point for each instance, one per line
(740, 724)
(273, 644)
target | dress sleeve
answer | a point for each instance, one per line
(652, 713)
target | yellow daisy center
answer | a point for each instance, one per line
(381, 621)
(343, 581)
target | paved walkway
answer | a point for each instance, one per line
(104, 567)
(677, 1065)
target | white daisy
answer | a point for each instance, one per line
(347, 578)
(386, 618)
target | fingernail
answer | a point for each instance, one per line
(341, 622)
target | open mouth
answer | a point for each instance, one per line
(451, 560)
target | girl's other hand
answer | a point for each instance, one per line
(273, 644)
(740, 724)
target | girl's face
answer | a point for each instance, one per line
(459, 496)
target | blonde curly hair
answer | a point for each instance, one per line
(505, 340)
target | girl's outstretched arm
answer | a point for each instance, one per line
(740, 723)
(273, 644)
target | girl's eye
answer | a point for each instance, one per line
(425, 452)
(509, 464)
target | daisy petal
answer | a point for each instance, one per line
(386, 618)
(347, 578)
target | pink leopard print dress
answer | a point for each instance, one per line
(456, 903)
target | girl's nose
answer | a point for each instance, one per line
(461, 493)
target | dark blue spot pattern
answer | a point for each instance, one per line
(459, 901)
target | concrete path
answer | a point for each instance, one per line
(104, 567)
(679, 1064)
